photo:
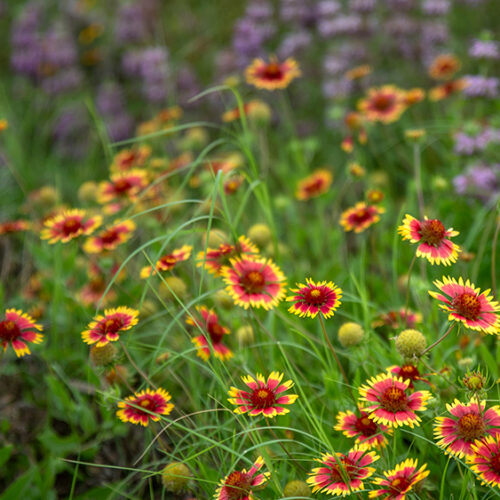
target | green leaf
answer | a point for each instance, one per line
(5, 453)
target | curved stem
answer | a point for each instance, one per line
(283, 447)
(407, 300)
(133, 363)
(439, 340)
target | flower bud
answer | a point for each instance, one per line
(350, 334)
(410, 343)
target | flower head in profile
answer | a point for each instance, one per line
(108, 327)
(68, 225)
(272, 75)
(360, 217)
(14, 226)
(414, 96)
(408, 372)
(364, 430)
(313, 298)
(383, 104)
(239, 484)
(388, 402)
(145, 406)
(128, 159)
(263, 397)
(464, 424)
(447, 89)
(255, 282)
(314, 185)
(485, 460)
(251, 109)
(213, 330)
(444, 66)
(110, 238)
(397, 319)
(17, 328)
(342, 474)
(123, 185)
(433, 239)
(168, 261)
(467, 304)
(399, 481)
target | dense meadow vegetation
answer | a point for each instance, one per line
(249, 249)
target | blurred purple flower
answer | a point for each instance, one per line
(294, 43)
(484, 49)
(480, 86)
(436, 7)
(479, 181)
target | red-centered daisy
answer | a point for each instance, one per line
(145, 406)
(399, 481)
(263, 398)
(110, 238)
(341, 474)
(128, 159)
(68, 225)
(384, 104)
(215, 258)
(314, 185)
(17, 328)
(467, 423)
(273, 74)
(408, 372)
(123, 185)
(449, 88)
(433, 239)
(388, 402)
(213, 330)
(14, 226)
(465, 303)
(238, 485)
(366, 432)
(313, 298)
(168, 261)
(360, 217)
(107, 328)
(254, 282)
(444, 67)
(485, 461)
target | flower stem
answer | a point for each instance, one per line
(418, 178)
(137, 369)
(439, 340)
(493, 258)
(283, 447)
(407, 300)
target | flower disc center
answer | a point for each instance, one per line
(366, 426)
(253, 282)
(9, 330)
(383, 102)
(432, 231)
(273, 71)
(471, 426)
(495, 463)
(262, 398)
(467, 305)
(112, 325)
(71, 226)
(237, 485)
(394, 399)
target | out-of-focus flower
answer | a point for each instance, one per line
(447, 89)
(110, 238)
(484, 49)
(360, 217)
(273, 74)
(481, 86)
(69, 225)
(168, 261)
(384, 104)
(17, 328)
(107, 328)
(314, 185)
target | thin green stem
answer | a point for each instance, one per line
(137, 368)
(439, 340)
(418, 178)
(283, 447)
(493, 258)
(407, 300)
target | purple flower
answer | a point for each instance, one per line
(480, 86)
(484, 49)
(464, 144)
(294, 43)
(479, 181)
(435, 7)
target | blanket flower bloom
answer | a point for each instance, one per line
(384, 104)
(156, 403)
(107, 328)
(314, 185)
(485, 461)
(168, 261)
(360, 217)
(68, 225)
(313, 298)
(272, 75)
(17, 328)
(110, 238)
(444, 66)
(122, 185)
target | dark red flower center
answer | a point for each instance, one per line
(361, 216)
(122, 185)
(147, 402)
(471, 426)
(399, 484)
(112, 325)
(215, 331)
(432, 231)
(341, 468)
(262, 398)
(71, 226)
(366, 426)
(109, 237)
(253, 282)
(314, 186)
(467, 305)
(272, 71)
(128, 159)
(314, 296)
(394, 399)
(9, 330)
(409, 372)
(237, 485)
(495, 463)
(167, 262)
(383, 102)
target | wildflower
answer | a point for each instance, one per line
(14, 226)
(238, 485)
(128, 159)
(232, 185)
(413, 96)
(264, 398)
(69, 225)
(272, 75)
(384, 104)
(17, 328)
(296, 488)
(396, 319)
(212, 329)
(433, 239)
(347, 144)
(104, 355)
(415, 134)
(485, 460)
(4, 124)
(411, 343)
(122, 185)
(408, 372)
(260, 234)
(350, 334)
(374, 196)
(366, 432)
(342, 474)
(156, 403)
(245, 335)
(356, 170)
(110, 238)
(474, 381)
(360, 217)
(358, 72)
(107, 328)
(465, 424)
(399, 481)
(466, 304)
(314, 185)
(446, 89)
(313, 298)
(444, 67)
(255, 282)
(168, 261)
(254, 109)
(224, 163)
(175, 477)
(389, 403)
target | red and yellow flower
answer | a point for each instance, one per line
(408, 372)
(14, 226)
(255, 282)
(358, 72)
(444, 66)
(68, 225)
(110, 238)
(128, 159)
(168, 261)
(360, 217)
(232, 184)
(255, 106)
(273, 74)
(433, 238)
(383, 104)
(314, 185)
(342, 474)
(398, 319)
(145, 406)
(107, 328)
(413, 96)
(399, 481)
(466, 304)
(485, 461)
(123, 185)
(213, 330)
(239, 484)
(313, 298)
(388, 402)
(264, 397)
(465, 424)
(17, 328)
(447, 89)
